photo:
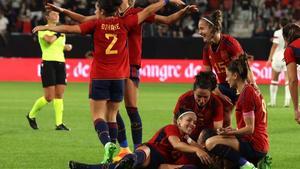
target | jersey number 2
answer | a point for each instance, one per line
(109, 50)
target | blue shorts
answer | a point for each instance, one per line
(248, 152)
(112, 90)
(229, 92)
(135, 74)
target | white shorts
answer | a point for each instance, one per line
(278, 65)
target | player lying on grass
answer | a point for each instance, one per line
(250, 139)
(168, 146)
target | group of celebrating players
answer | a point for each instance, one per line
(201, 133)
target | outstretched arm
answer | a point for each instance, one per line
(145, 13)
(60, 28)
(175, 16)
(73, 15)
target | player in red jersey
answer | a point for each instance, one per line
(110, 65)
(135, 54)
(207, 106)
(218, 51)
(291, 35)
(250, 139)
(167, 146)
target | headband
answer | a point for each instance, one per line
(187, 112)
(208, 21)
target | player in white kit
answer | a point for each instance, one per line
(278, 65)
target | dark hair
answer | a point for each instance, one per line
(205, 80)
(180, 112)
(240, 66)
(109, 6)
(216, 18)
(291, 32)
(284, 21)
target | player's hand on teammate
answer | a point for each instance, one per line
(39, 28)
(55, 8)
(204, 157)
(226, 131)
(192, 8)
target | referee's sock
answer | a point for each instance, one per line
(58, 108)
(38, 105)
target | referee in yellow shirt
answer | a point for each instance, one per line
(53, 72)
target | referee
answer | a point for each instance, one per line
(53, 72)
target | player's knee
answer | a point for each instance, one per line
(204, 135)
(210, 143)
(49, 98)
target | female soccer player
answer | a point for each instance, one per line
(53, 72)
(250, 139)
(110, 64)
(135, 54)
(278, 66)
(291, 35)
(207, 106)
(168, 145)
(218, 51)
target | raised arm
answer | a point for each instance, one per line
(73, 15)
(175, 16)
(145, 13)
(60, 28)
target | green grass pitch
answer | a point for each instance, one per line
(23, 148)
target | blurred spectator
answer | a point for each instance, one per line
(3, 28)
(176, 30)
(188, 26)
(240, 17)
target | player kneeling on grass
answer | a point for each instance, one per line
(250, 141)
(167, 146)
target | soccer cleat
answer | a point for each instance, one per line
(62, 127)
(32, 122)
(122, 153)
(109, 151)
(248, 165)
(128, 162)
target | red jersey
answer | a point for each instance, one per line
(206, 116)
(227, 50)
(250, 100)
(161, 143)
(135, 38)
(292, 52)
(111, 59)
